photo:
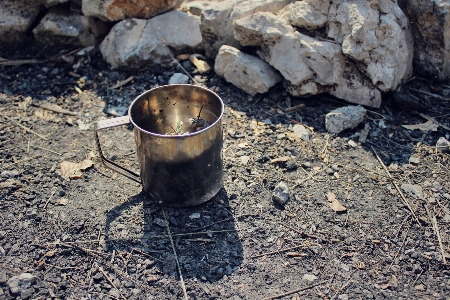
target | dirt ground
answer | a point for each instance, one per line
(93, 234)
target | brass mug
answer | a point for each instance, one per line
(178, 133)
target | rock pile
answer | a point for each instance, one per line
(354, 50)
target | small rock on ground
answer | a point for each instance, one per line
(301, 132)
(281, 193)
(309, 277)
(442, 144)
(20, 283)
(178, 78)
(413, 189)
(344, 118)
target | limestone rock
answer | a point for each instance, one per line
(368, 50)
(62, 26)
(16, 18)
(179, 78)
(344, 118)
(19, 283)
(309, 277)
(319, 65)
(115, 10)
(260, 29)
(442, 144)
(217, 20)
(133, 43)
(430, 23)
(375, 34)
(245, 71)
(280, 194)
(196, 7)
(310, 14)
(302, 132)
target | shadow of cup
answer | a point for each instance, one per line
(207, 245)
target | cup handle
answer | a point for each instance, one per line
(108, 123)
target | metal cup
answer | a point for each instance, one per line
(177, 170)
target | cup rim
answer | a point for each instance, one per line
(219, 118)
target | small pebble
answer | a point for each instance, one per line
(244, 159)
(306, 165)
(414, 160)
(281, 193)
(309, 277)
(194, 216)
(352, 144)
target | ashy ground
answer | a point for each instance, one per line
(363, 221)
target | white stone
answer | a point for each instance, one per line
(309, 277)
(119, 10)
(133, 43)
(86, 50)
(352, 144)
(319, 65)
(245, 71)
(16, 18)
(117, 111)
(217, 20)
(19, 283)
(179, 78)
(301, 132)
(442, 145)
(344, 118)
(311, 14)
(62, 26)
(194, 216)
(381, 42)
(431, 30)
(83, 126)
(244, 159)
(260, 28)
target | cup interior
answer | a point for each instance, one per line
(160, 110)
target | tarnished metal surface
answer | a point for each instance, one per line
(178, 170)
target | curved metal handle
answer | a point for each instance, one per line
(108, 123)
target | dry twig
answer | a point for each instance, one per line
(24, 127)
(434, 121)
(56, 108)
(45, 149)
(183, 286)
(33, 61)
(400, 249)
(295, 291)
(303, 234)
(110, 281)
(121, 83)
(20, 161)
(436, 231)
(396, 186)
(279, 251)
(97, 254)
(344, 286)
(428, 94)
(54, 189)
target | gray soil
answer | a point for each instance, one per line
(98, 236)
